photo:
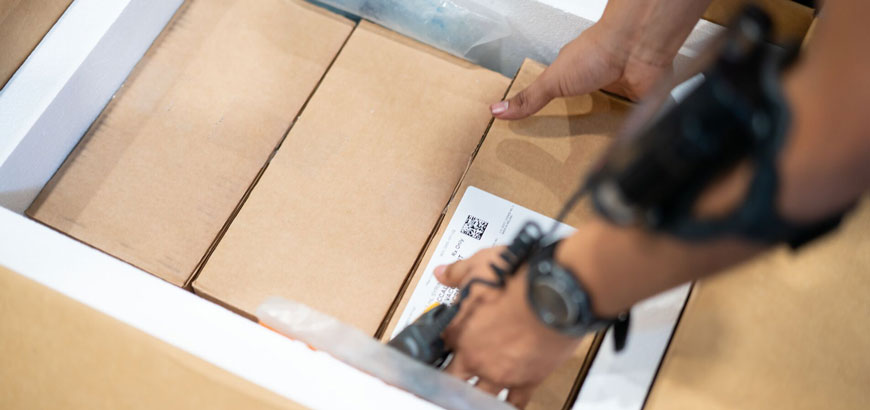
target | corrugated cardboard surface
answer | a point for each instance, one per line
(787, 331)
(537, 163)
(790, 20)
(344, 209)
(158, 175)
(60, 354)
(23, 24)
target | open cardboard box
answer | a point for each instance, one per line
(140, 129)
(79, 320)
(182, 142)
(197, 331)
(161, 171)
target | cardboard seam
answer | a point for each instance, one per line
(205, 294)
(668, 345)
(216, 241)
(409, 277)
(107, 109)
(101, 251)
(591, 354)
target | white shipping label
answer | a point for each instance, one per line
(481, 220)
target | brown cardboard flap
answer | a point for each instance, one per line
(60, 354)
(537, 163)
(23, 24)
(791, 20)
(343, 210)
(786, 331)
(159, 173)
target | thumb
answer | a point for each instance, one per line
(452, 275)
(527, 102)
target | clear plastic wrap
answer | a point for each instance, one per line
(361, 351)
(455, 26)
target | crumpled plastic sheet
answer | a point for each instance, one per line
(359, 350)
(455, 26)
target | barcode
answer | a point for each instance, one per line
(474, 227)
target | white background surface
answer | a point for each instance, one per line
(621, 381)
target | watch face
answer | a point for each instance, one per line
(553, 306)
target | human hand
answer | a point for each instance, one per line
(597, 59)
(495, 336)
(626, 52)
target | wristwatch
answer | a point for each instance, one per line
(561, 302)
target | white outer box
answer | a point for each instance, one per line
(48, 105)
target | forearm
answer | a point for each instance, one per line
(824, 167)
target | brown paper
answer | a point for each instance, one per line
(159, 173)
(786, 331)
(60, 354)
(791, 20)
(537, 163)
(343, 210)
(23, 24)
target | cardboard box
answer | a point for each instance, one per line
(791, 20)
(23, 24)
(63, 354)
(103, 363)
(537, 163)
(340, 216)
(162, 170)
(785, 331)
(122, 291)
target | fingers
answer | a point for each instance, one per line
(489, 387)
(458, 368)
(520, 396)
(458, 273)
(528, 101)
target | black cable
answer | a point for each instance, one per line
(515, 264)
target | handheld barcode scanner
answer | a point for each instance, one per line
(662, 161)
(423, 340)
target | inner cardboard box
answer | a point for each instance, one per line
(23, 24)
(338, 219)
(188, 174)
(163, 168)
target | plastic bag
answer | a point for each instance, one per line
(361, 351)
(455, 26)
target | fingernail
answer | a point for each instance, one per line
(439, 271)
(499, 107)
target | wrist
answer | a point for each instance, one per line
(573, 253)
(559, 299)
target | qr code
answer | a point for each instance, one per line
(474, 227)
